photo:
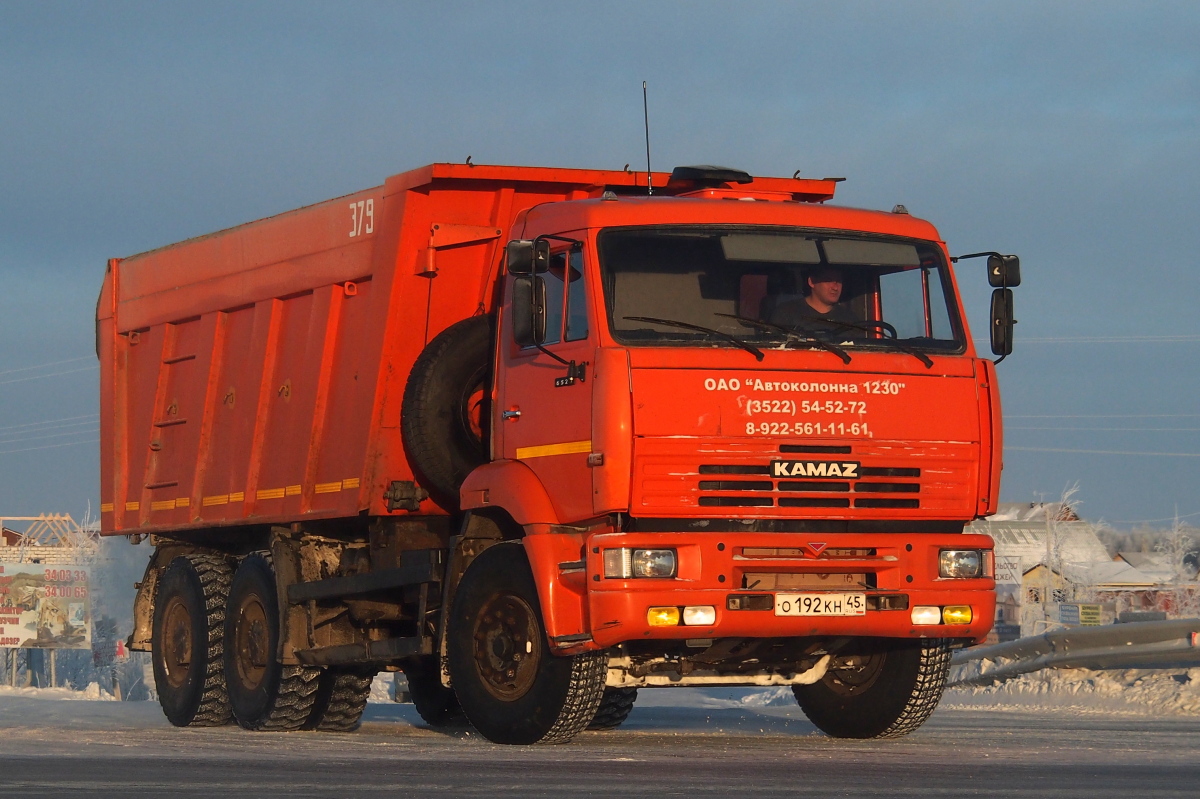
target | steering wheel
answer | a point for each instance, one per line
(881, 325)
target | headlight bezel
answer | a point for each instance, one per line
(641, 563)
(961, 564)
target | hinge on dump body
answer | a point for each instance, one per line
(404, 495)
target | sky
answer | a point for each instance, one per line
(1068, 133)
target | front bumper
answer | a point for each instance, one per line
(713, 567)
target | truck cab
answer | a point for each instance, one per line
(717, 483)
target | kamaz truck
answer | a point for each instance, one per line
(541, 438)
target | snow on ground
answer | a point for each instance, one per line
(1150, 692)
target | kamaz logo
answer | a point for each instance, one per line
(814, 469)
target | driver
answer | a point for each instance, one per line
(822, 292)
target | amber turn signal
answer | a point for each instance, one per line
(663, 617)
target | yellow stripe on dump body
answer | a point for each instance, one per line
(569, 448)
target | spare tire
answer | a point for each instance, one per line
(446, 410)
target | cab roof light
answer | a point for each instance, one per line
(690, 178)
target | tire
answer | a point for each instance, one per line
(188, 641)
(512, 689)
(445, 416)
(615, 707)
(436, 704)
(892, 691)
(263, 693)
(340, 700)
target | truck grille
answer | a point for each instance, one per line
(739, 475)
(782, 492)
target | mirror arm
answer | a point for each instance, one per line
(552, 355)
(956, 258)
(575, 371)
(576, 244)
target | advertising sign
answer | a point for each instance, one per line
(45, 607)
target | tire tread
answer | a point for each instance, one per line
(615, 707)
(342, 709)
(932, 671)
(215, 576)
(589, 672)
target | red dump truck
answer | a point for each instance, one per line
(539, 438)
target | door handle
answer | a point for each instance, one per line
(506, 415)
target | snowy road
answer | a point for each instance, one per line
(67, 748)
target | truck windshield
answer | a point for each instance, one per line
(776, 287)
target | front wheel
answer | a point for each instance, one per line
(881, 689)
(512, 689)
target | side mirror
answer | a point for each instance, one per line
(529, 310)
(1002, 322)
(1004, 271)
(525, 257)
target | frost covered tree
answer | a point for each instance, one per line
(1178, 549)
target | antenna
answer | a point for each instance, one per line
(646, 117)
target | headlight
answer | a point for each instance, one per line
(625, 563)
(958, 563)
(926, 614)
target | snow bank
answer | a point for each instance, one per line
(93, 693)
(1133, 691)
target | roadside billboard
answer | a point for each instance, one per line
(45, 606)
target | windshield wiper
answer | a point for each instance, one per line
(750, 348)
(825, 345)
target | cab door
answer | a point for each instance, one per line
(543, 414)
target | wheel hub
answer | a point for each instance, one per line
(253, 639)
(177, 642)
(506, 647)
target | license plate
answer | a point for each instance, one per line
(820, 604)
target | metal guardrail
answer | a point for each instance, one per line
(1151, 644)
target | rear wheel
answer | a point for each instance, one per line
(340, 701)
(188, 641)
(512, 689)
(264, 693)
(885, 689)
(615, 707)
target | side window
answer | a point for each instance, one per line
(903, 303)
(907, 298)
(577, 302)
(554, 297)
